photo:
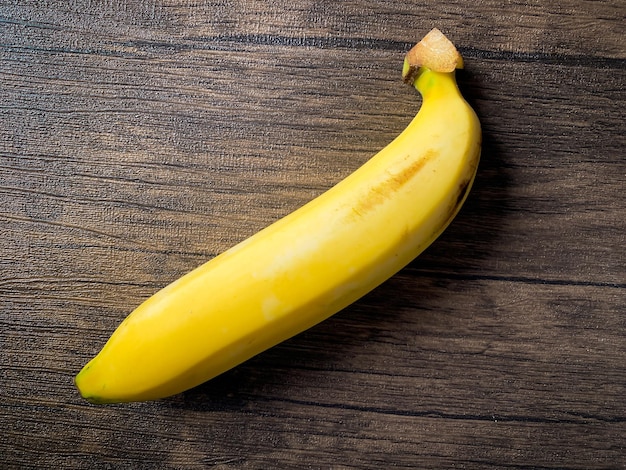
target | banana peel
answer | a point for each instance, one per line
(312, 263)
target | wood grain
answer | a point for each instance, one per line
(138, 139)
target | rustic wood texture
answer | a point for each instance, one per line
(140, 138)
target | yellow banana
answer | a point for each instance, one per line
(310, 264)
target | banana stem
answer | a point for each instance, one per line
(434, 52)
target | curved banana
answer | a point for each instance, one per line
(310, 264)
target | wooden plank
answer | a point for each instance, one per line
(563, 27)
(139, 139)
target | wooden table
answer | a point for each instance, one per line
(141, 138)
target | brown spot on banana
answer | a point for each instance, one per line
(458, 200)
(386, 188)
(463, 190)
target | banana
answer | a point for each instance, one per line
(312, 263)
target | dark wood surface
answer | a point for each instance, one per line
(141, 138)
